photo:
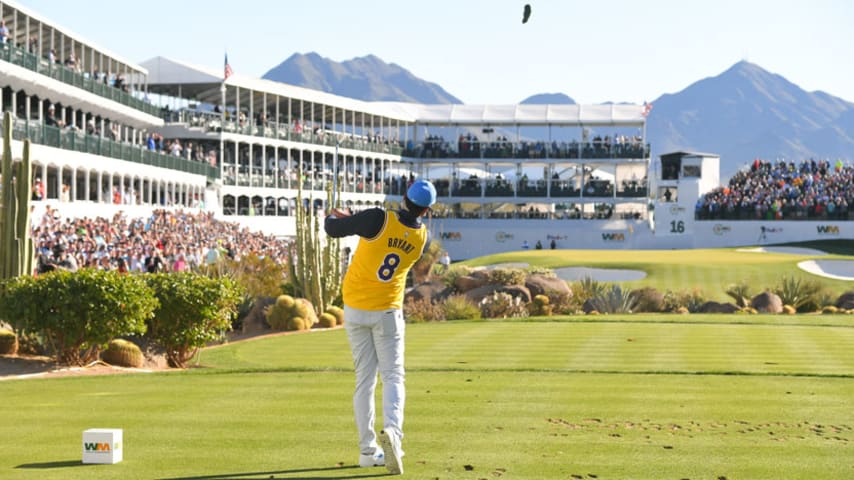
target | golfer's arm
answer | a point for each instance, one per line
(366, 223)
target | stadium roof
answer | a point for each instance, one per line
(204, 84)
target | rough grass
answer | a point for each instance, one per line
(645, 397)
(710, 270)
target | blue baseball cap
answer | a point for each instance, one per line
(422, 193)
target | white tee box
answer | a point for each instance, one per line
(102, 445)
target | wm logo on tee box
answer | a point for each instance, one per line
(102, 445)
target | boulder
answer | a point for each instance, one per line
(767, 302)
(464, 283)
(541, 285)
(517, 291)
(717, 307)
(255, 321)
(477, 294)
(432, 291)
(846, 301)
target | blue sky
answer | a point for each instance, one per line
(479, 51)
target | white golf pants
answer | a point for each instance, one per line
(376, 340)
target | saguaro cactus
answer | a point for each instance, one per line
(16, 244)
(315, 267)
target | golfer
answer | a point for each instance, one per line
(391, 242)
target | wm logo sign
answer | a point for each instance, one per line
(828, 229)
(96, 447)
(613, 237)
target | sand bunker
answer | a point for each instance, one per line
(788, 250)
(836, 269)
(599, 274)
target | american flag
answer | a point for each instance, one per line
(646, 108)
(228, 71)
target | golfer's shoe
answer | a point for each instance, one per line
(375, 460)
(391, 444)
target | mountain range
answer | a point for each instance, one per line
(741, 114)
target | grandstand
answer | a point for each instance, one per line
(114, 136)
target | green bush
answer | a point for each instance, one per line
(296, 323)
(327, 320)
(279, 313)
(458, 307)
(194, 310)
(8, 342)
(418, 311)
(797, 292)
(502, 305)
(77, 314)
(123, 353)
(507, 276)
(563, 303)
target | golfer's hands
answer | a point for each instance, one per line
(339, 213)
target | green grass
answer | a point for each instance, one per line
(646, 397)
(710, 270)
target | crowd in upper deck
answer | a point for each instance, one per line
(810, 190)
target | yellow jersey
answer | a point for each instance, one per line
(376, 277)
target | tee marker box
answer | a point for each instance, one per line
(102, 445)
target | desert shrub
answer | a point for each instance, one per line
(8, 342)
(507, 276)
(648, 299)
(682, 311)
(789, 310)
(540, 306)
(740, 293)
(830, 309)
(614, 300)
(194, 310)
(502, 305)
(77, 314)
(796, 291)
(692, 300)
(587, 288)
(327, 320)
(123, 353)
(338, 313)
(563, 303)
(458, 307)
(819, 300)
(538, 270)
(424, 266)
(418, 311)
(449, 278)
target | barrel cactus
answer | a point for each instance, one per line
(123, 353)
(336, 312)
(327, 320)
(283, 314)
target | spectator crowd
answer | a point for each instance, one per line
(165, 241)
(811, 190)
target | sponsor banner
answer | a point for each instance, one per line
(502, 237)
(454, 236)
(720, 229)
(614, 237)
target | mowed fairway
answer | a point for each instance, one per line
(652, 397)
